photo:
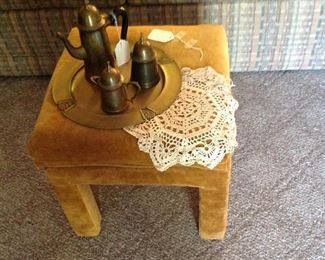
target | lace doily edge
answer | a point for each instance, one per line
(211, 166)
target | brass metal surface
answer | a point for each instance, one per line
(113, 90)
(80, 101)
(144, 64)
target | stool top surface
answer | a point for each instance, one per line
(58, 142)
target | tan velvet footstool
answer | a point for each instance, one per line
(75, 157)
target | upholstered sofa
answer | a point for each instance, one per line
(262, 34)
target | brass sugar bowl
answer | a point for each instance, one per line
(144, 64)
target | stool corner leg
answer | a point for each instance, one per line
(80, 208)
(212, 235)
(213, 214)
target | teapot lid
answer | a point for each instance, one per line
(89, 18)
(111, 79)
(142, 51)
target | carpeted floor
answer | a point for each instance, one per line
(277, 193)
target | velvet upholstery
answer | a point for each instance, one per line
(75, 156)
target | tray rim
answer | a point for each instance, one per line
(68, 105)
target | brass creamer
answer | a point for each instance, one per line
(113, 91)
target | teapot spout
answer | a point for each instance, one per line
(76, 52)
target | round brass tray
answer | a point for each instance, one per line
(80, 101)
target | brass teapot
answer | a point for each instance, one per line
(95, 47)
(113, 90)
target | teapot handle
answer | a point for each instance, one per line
(132, 83)
(95, 80)
(120, 11)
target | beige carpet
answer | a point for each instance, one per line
(277, 194)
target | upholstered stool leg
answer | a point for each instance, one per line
(80, 208)
(213, 213)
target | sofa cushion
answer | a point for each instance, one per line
(30, 46)
(160, 2)
(163, 14)
(6, 5)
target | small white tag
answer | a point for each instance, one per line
(122, 52)
(191, 43)
(161, 35)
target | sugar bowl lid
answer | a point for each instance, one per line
(89, 18)
(143, 51)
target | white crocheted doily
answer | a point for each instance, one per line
(198, 128)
